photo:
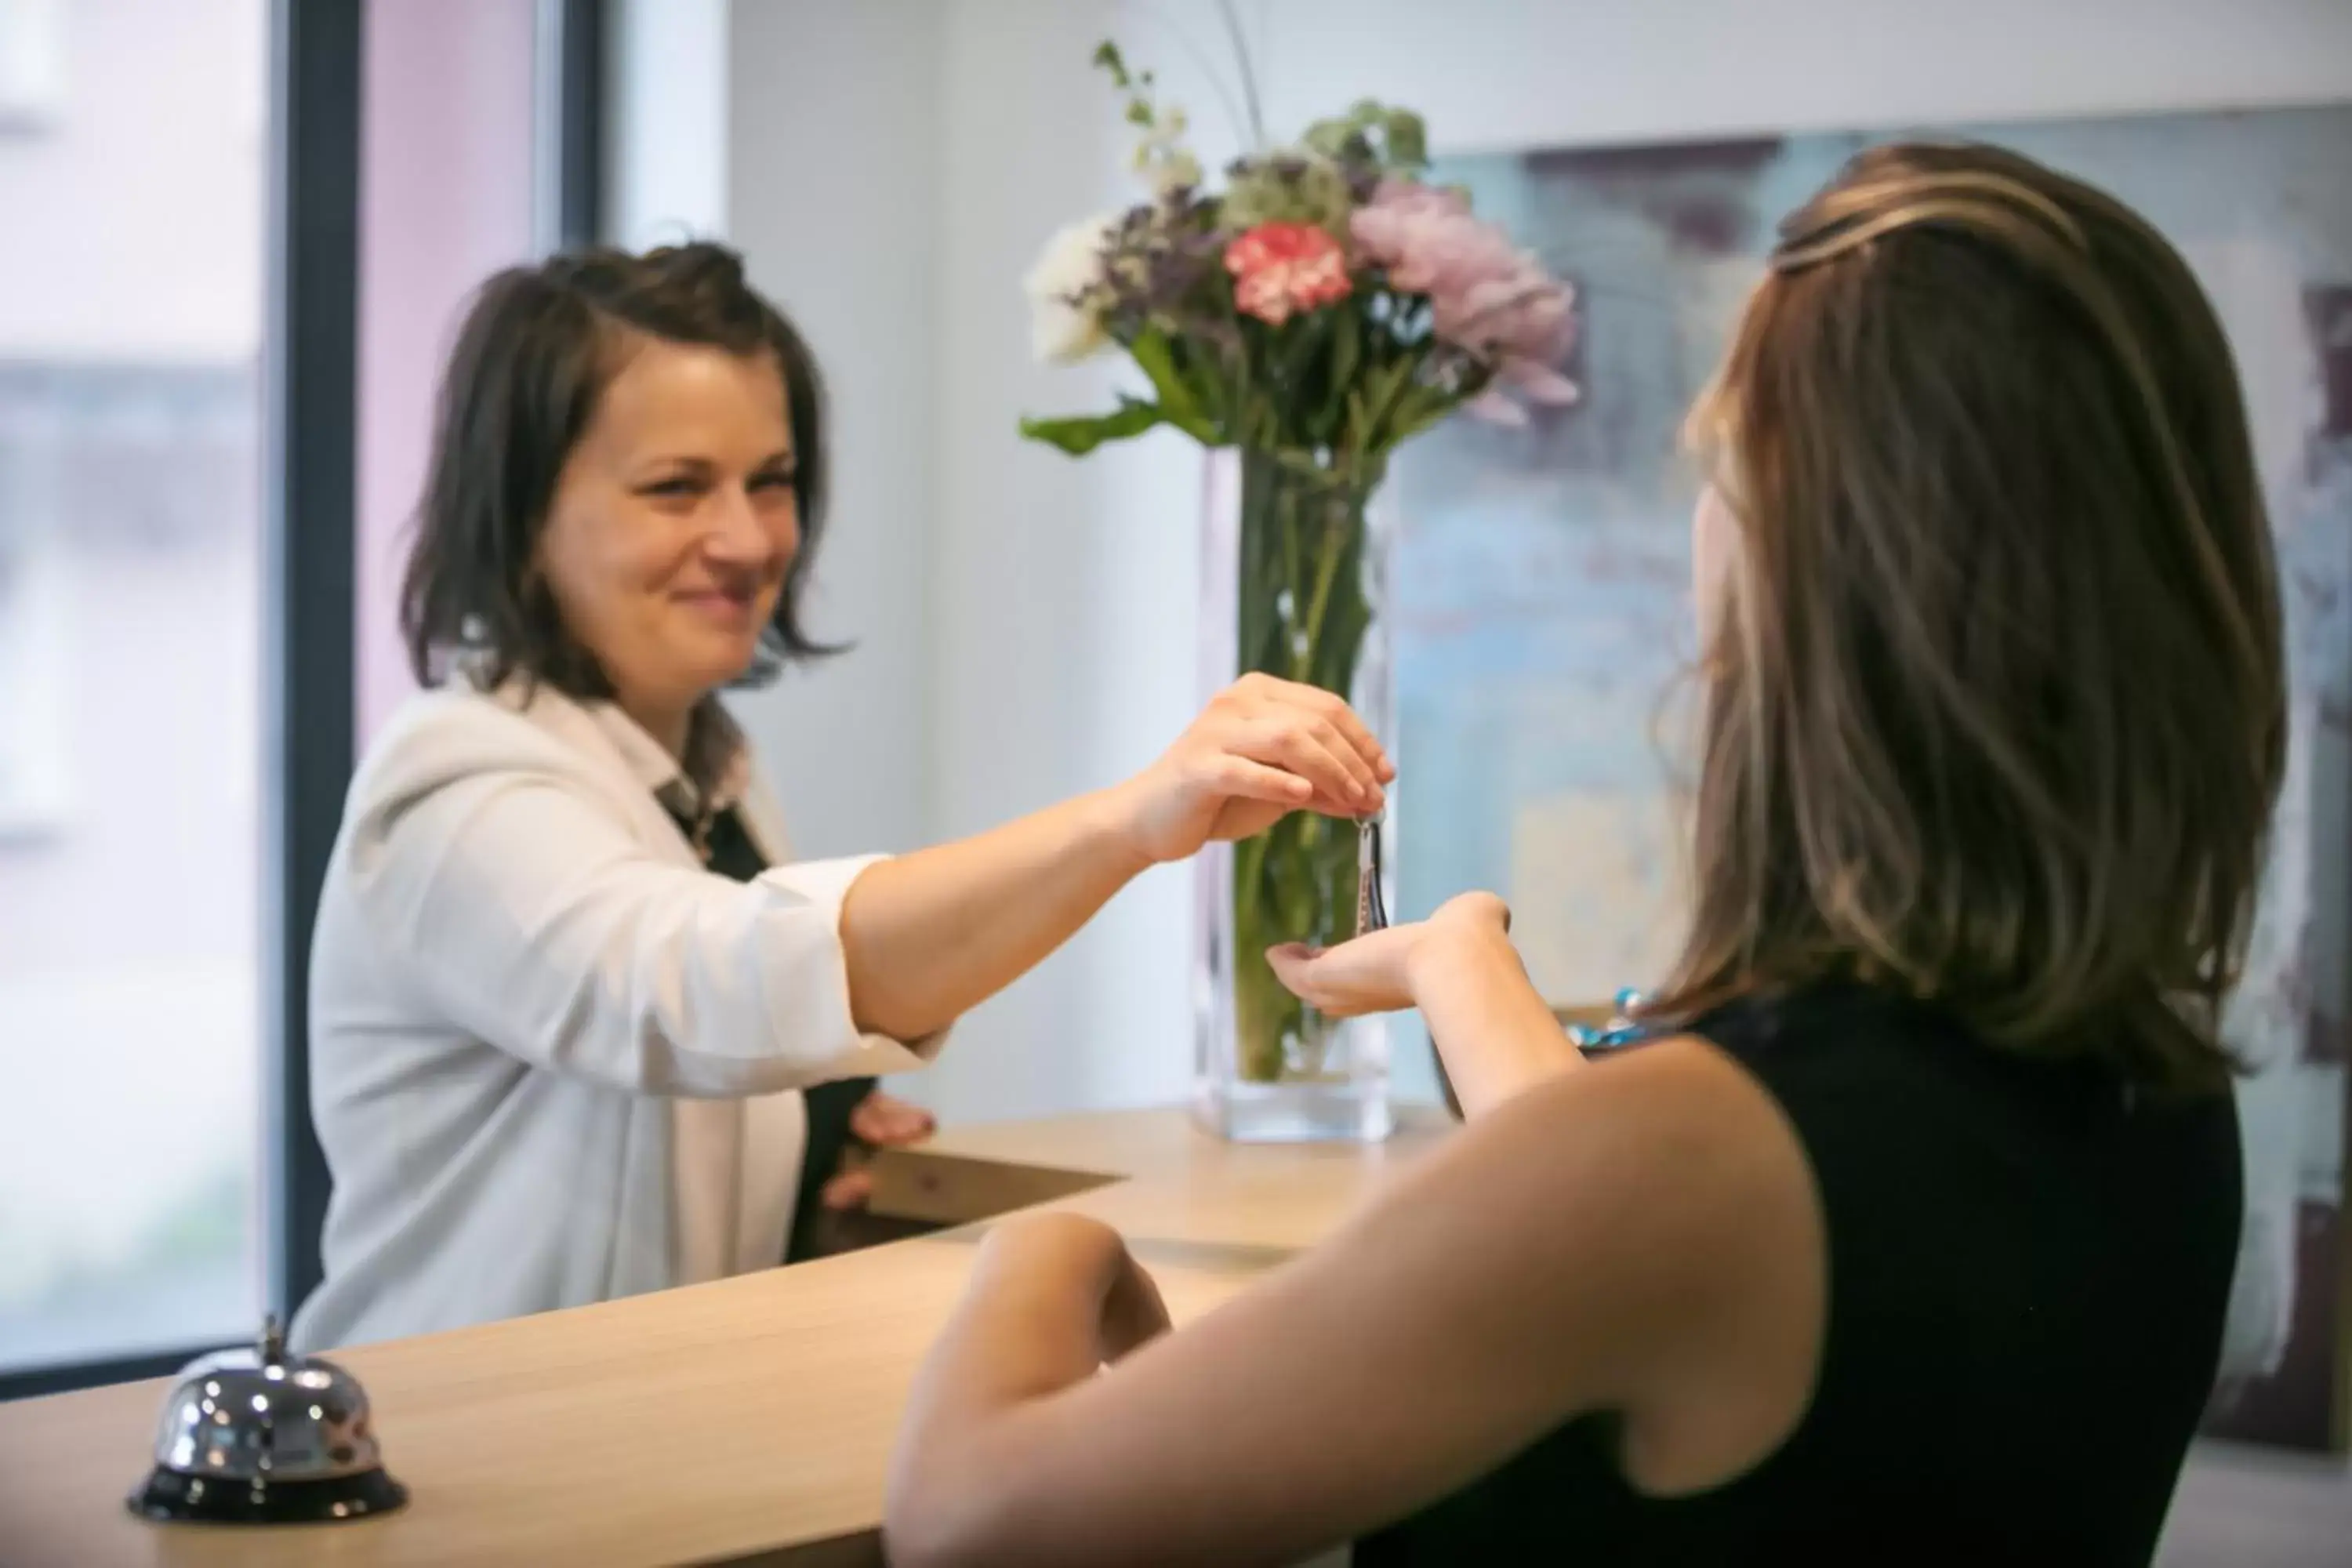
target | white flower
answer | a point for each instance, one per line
(1173, 172)
(1161, 157)
(1066, 293)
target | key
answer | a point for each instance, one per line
(1372, 910)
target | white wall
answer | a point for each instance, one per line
(869, 146)
(667, 143)
(832, 181)
(1061, 618)
(1516, 73)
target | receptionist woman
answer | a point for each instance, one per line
(567, 983)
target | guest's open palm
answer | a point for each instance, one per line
(1373, 973)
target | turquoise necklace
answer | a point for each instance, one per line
(1620, 1030)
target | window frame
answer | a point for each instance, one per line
(310, 386)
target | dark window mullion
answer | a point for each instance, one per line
(32, 1382)
(579, 126)
(311, 379)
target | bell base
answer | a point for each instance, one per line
(171, 1498)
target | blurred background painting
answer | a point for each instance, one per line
(1544, 613)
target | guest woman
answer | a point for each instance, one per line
(1907, 1237)
(568, 983)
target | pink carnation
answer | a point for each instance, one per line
(1486, 295)
(1283, 268)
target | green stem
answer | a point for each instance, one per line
(1302, 529)
(1327, 571)
(1400, 381)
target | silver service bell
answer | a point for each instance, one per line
(253, 1436)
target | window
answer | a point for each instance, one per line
(31, 62)
(131, 287)
(212, 260)
(32, 687)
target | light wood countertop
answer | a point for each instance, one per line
(744, 1421)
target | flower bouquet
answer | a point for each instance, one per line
(1325, 306)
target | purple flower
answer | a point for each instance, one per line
(1486, 295)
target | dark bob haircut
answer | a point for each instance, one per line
(537, 351)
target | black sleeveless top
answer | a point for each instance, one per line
(2029, 1266)
(727, 849)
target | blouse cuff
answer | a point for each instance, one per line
(825, 885)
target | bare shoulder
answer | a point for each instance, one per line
(1681, 1111)
(1645, 1202)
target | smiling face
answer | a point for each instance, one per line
(673, 524)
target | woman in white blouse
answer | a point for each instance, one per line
(565, 987)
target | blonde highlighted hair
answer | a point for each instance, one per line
(1995, 712)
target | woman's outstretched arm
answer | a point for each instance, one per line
(927, 936)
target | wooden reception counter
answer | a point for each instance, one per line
(744, 1421)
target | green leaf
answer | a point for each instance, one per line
(1413, 420)
(1155, 356)
(1346, 352)
(1204, 378)
(1329, 137)
(1402, 141)
(1081, 434)
(1384, 390)
(1408, 141)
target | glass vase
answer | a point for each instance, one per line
(1293, 584)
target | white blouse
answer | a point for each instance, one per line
(554, 1059)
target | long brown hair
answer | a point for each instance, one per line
(1994, 710)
